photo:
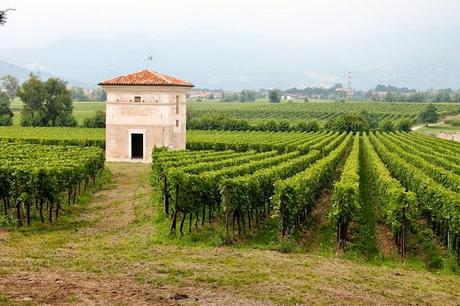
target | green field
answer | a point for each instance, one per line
(293, 111)
(440, 127)
(81, 110)
(321, 111)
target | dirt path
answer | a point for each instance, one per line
(419, 126)
(123, 188)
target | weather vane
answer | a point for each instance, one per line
(147, 60)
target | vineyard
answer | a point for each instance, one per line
(54, 135)
(293, 112)
(36, 180)
(242, 179)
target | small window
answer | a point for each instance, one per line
(177, 123)
(137, 99)
(177, 104)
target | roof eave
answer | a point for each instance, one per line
(156, 85)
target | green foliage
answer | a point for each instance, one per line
(387, 126)
(295, 197)
(243, 141)
(274, 96)
(6, 114)
(347, 123)
(11, 85)
(453, 122)
(345, 197)
(218, 121)
(97, 121)
(54, 136)
(240, 184)
(37, 175)
(294, 113)
(371, 118)
(441, 205)
(247, 96)
(398, 207)
(404, 125)
(46, 103)
(79, 94)
(415, 97)
(308, 126)
(429, 114)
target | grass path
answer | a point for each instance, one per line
(106, 252)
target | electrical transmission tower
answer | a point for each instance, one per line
(349, 88)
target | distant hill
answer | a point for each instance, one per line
(211, 58)
(23, 74)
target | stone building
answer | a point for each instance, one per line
(144, 109)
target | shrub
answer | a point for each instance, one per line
(387, 126)
(404, 125)
(347, 123)
(6, 115)
(6, 120)
(97, 121)
(307, 126)
(454, 122)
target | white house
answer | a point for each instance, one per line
(144, 109)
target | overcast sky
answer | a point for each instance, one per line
(38, 24)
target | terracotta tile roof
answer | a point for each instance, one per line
(146, 78)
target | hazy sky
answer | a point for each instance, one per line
(38, 23)
(294, 23)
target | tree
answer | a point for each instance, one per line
(306, 100)
(274, 96)
(415, 97)
(442, 96)
(78, 94)
(247, 96)
(388, 126)
(404, 125)
(99, 94)
(457, 96)
(46, 103)
(6, 115)
(428, 115)
(58, 103)
(347, 123)
(11, 85)
(389, 97)
(371, 119)
(3, 16)
(97, 121)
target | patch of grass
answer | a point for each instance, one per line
(287, 246)
(5, 301)
(434, 130)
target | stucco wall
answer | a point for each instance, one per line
(155, 117)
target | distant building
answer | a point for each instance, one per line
(205, 94)
(144, 109)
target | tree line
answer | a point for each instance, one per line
(46, 103)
